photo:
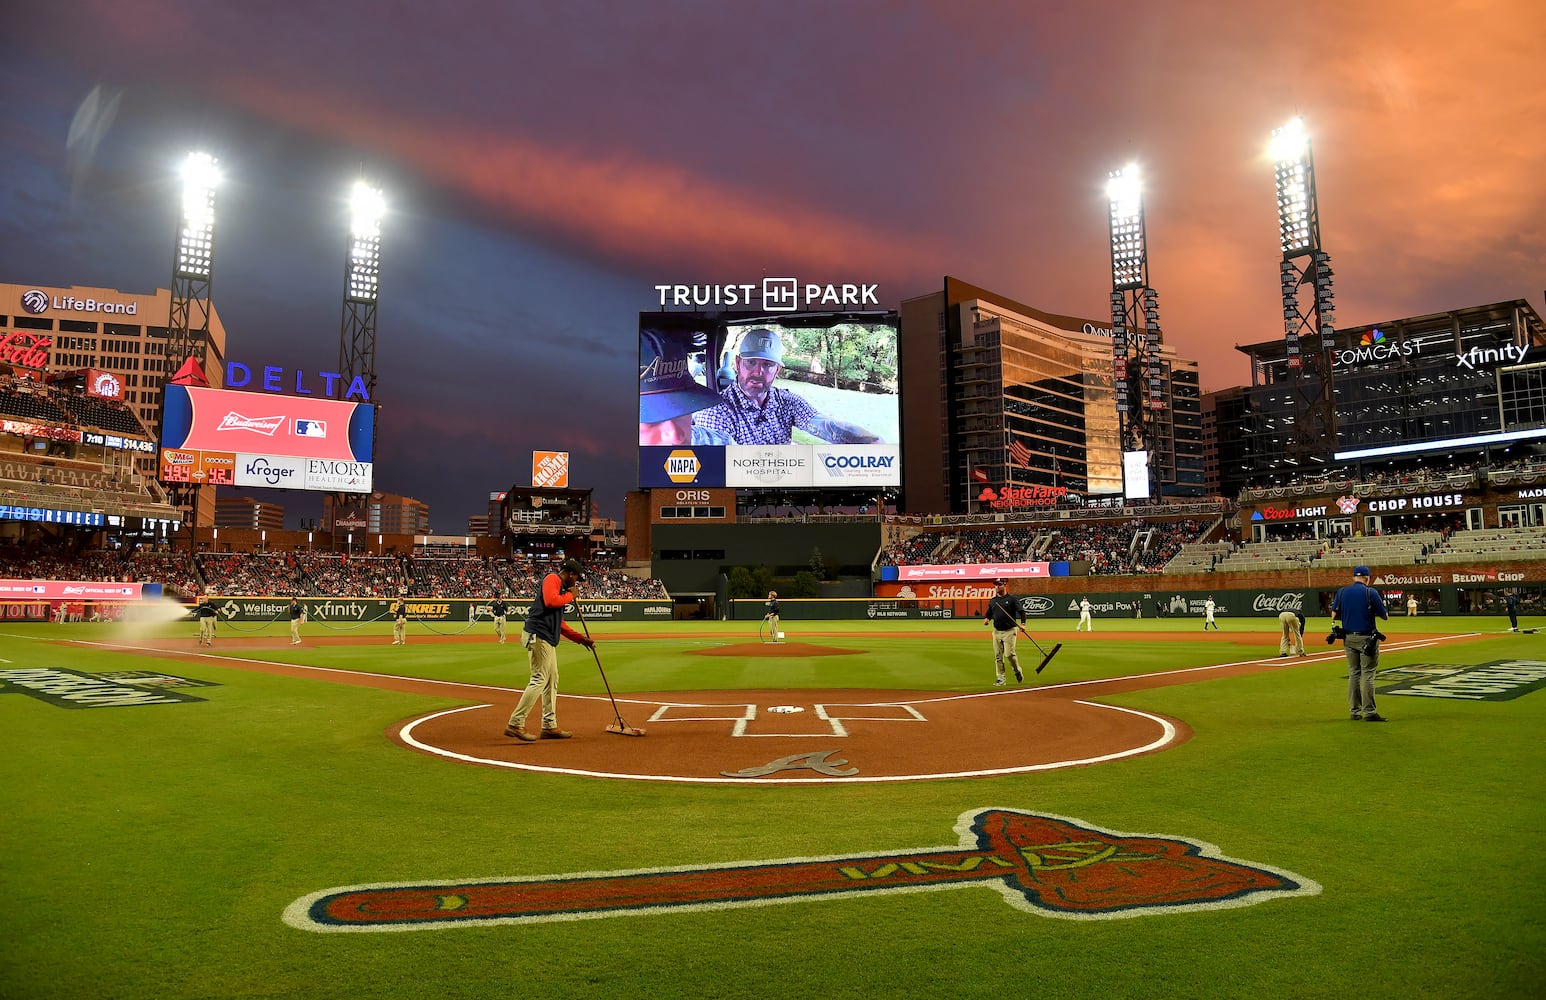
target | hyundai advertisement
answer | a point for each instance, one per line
(797, 401)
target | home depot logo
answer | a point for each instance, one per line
(1039, 863)
(550, 469)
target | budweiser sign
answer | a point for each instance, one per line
(26, 350)
(234, 421)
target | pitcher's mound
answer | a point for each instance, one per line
(779, 649)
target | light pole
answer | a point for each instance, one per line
(1304, 263)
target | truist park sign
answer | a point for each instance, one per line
(772, 294)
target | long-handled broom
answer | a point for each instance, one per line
(1046, 657)
(619, 727)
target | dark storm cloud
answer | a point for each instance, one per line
(548, 163)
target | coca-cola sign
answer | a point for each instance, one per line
(1279, 604)
(25, 350)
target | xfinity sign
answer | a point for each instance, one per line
(772, 294)
(1510, 354)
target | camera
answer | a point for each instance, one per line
(1380, 636)
(1337, 633)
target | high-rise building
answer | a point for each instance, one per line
(248, 512)
(376, 514)
(998, 394)
(123, 333)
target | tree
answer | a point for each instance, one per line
(818, 564)
(804, 584)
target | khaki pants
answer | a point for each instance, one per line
(400, 632)
(499, 627)
(543, 686)
(1292, 641)
(206, 631)
(1004, 650)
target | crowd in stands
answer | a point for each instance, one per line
(275, 574)
(301, 574)
(1110, 547)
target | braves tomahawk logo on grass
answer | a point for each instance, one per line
(1045, 864)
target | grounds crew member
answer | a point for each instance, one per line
(1292, 623)
(544, 625)
(297, 615)
(772, 616)
(499, 609)
(400, 618)
(205, 612)
(1005, 614)
(1356, 606)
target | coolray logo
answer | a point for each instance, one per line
(774, 295)
(332, 610)
(234, 421)
(682, 466)
(859, 461)
(1280, 603)
(1511, 353)
(1348, 505)
(1053, 866)
(34, 301)
(269, 473)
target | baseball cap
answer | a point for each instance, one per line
(1361, 571)
(1000, 583)
(666, 386)
(573, 566)
(763, 345)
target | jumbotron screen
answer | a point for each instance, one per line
(795, 401)
(224, 437)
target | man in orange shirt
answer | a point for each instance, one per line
(544, 625)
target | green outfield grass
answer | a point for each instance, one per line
(150, 851)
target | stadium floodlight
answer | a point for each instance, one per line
(367, 207)
(1124, 193)
(1291, 165)
(196, 234)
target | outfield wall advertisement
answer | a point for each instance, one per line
(347, 612)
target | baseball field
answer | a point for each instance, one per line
(855, 812)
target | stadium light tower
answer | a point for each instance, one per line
(1305, 264)
(1142, 404)
(187, 327)
(187, 324)
(362, 281)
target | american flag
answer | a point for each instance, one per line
(1020, 453)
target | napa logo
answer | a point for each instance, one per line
(682, 465)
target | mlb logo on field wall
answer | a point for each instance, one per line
(311, 428)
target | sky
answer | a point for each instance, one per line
(547, 164)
